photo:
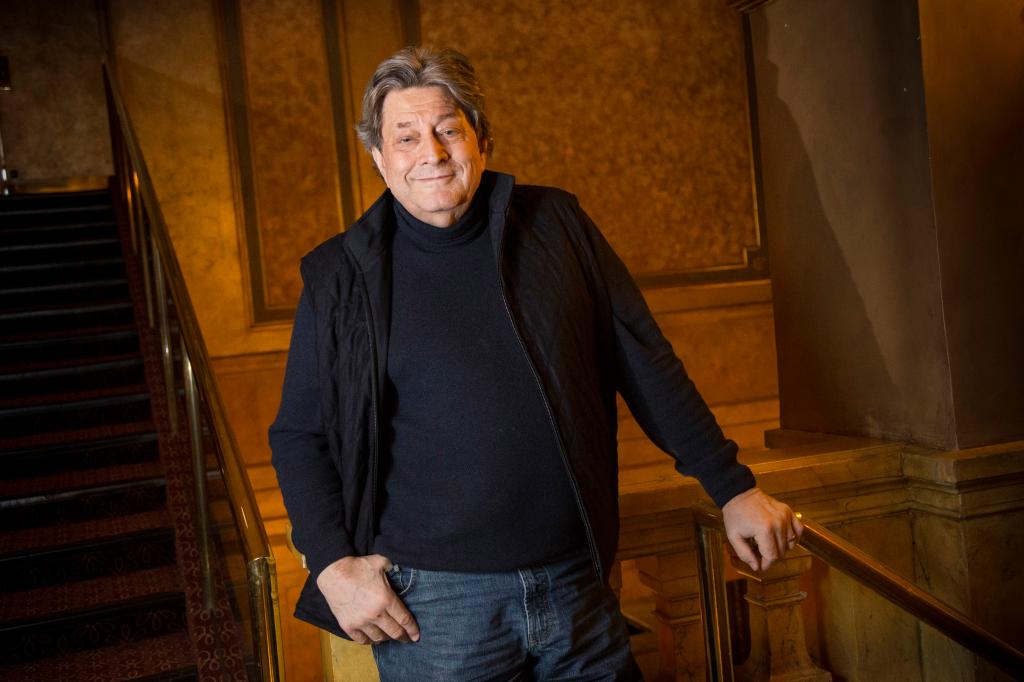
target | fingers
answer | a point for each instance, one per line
(404, 621)
(781, 536)
(797, 526)
(744, 551)
(363, 602)
(769, 547)
(760, 528)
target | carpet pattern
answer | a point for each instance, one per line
(100, 571)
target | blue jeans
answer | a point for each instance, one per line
(555, 622)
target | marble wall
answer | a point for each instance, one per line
(169, 67)
(282, 126)
(639, 108)
(53, 46)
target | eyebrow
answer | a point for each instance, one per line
(409, 123)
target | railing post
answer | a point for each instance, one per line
(673, 578)
(199, 470)
(266, 621)
(165, 340)
(778, 649)
(146, 285)
(717, 644)
(131, 191)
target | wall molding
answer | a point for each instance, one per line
(748, 6)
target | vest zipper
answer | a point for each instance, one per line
(375, 445)
(547, 408)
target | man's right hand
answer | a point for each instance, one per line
(362, 600)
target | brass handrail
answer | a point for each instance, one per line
(261, 567)
(863, 568)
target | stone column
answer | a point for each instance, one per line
(891, 185)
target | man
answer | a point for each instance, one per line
(446, 439)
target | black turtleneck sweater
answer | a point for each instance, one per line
(473, 479)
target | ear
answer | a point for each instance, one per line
(378, 160)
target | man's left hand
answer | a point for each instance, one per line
(760, 528)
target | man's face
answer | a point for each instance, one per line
(429, 155)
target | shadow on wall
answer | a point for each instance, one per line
(819, 311)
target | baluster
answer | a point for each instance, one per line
(778, 648)
(199, 470)
(673, 577)
(165, 340)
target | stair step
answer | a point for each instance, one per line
(46, 348)
(90, 613)
(57, 234)
(20, 543)
(77, 377)
(81, 250)
(39, 461)
(45, 217)
(69, 293)
(56, 601)
(24, 420)
(43, 252)
(66, 320)
(75, 436)
(37, 200)
(83, 550)
(63, 399)
(61, 272)
(166, 658)
(34, 490)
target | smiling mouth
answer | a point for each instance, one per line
(435, 178)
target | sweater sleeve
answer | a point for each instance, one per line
(308, 479)
(656, 387)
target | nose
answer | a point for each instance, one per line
(434, 150)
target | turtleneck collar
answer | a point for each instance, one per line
(465, 228)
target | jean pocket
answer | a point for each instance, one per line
(400, 578)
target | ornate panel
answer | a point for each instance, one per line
(641, 109)
(282, 124)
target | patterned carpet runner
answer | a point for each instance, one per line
(99, 570)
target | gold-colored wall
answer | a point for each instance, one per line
(168, 63)
(640, 108)
(53, 46)
(289, 135)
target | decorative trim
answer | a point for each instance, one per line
(249, 362)
(339, 106)
(240, 148)
(748, 6)
(754, 260)
(409, 20)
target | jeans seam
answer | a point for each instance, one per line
(526, 611)
(412, 581)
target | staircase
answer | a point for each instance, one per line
(90, 588)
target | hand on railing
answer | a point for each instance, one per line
(760, 528)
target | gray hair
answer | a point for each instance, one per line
(417, 66)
